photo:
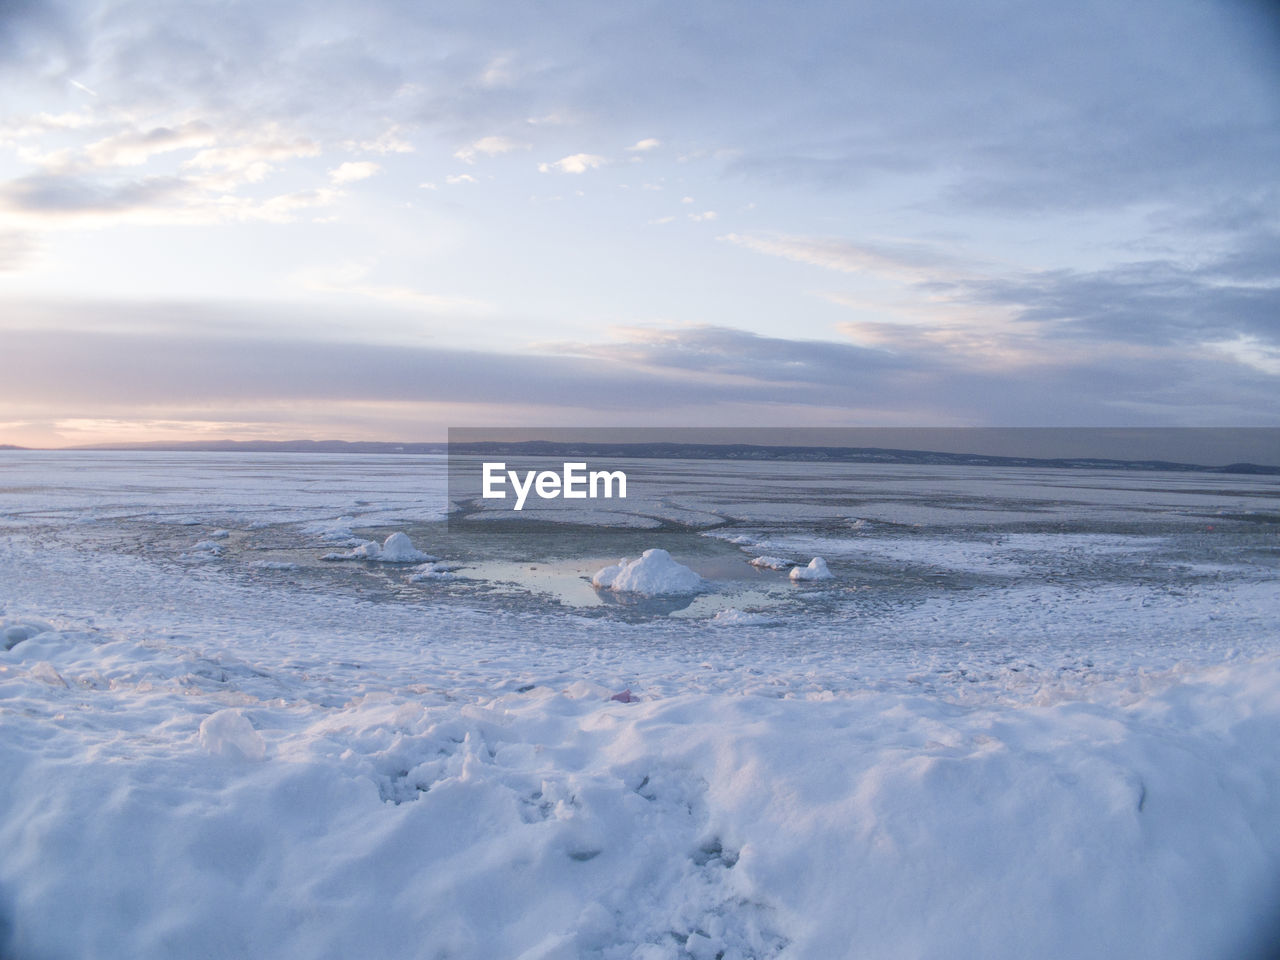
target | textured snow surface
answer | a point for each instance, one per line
(996, 742)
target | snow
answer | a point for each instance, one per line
(228, 733)
(336, 530)
(13, 632)
(1074, 760)
(434, 570)
(733, 617)
(815, 569)
(770, 563)
(770, 827)
(654, 574)
(397, 548)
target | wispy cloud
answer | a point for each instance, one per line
(250, 157)
(492, 146)
(391, 140)
(135, 147)
(355, 278)
(42, 202)
(911, 261)
(643, 146)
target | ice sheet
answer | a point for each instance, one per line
(1008, 738)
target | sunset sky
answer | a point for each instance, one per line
(376, 220)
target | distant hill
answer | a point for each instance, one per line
(11, 446)
(685, 451)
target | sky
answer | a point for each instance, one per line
(377, 220)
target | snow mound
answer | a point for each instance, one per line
(207, 546)
(816, 570)
(13, 632)
(772, 563)
(397, 548)
(228, 733)
(655, 574)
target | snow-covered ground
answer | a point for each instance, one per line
(1032, 714)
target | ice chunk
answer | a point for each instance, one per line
(228, 733)
(772, 563)
(434, 570)
(654, 574)
(816, 570)
(46, 672)
(605, 576)
(207, 546)
(397, 548)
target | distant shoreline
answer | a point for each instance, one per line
(670, 451)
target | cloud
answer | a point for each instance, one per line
(135, 147)
(352, 171)
(251, 156)
(55, 195)
(459, 178)
(353, 278)
(39, 39)
(488, 147)
(16, 128)
(712, 374)
(129, 371)
(1252, 352)
(641, 146)
(1231, 302)
(15, 250)
(46, 200)
(577, 163)
(498, 72)
(911, 261)
(390, 140)
(1148, 302)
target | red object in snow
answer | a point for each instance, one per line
(624, 697)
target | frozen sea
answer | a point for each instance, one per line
(1033, 713)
